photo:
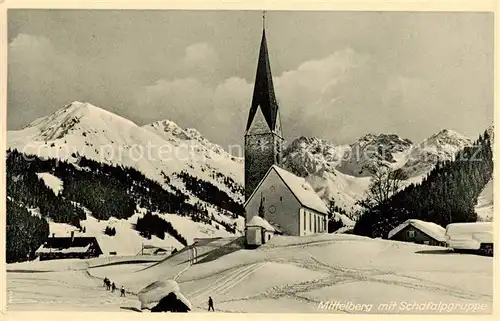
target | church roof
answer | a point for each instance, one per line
(263, 93)
(302, 190)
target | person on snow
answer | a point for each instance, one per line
(122, 291)
(105, 282)
(113, 287)
(210, 304)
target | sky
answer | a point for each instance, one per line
(337, 75)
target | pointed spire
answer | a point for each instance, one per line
(263, 94)
(264, 20)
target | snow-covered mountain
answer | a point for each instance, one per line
(160, 150)
(308, 155)
(177, 136)
(342, 172)
(439, 147)
(373, 151)
(157, 151)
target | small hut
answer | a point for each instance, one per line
(420, 232)
(259, 231)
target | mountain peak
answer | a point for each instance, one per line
(447, 137)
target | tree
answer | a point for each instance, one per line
(384, 183)
(334, 222)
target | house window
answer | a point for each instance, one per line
(426, 242)
(315, 221)
(411, 234)
(281, 198)
(304, 220)
(310, 221)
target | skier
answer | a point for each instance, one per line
(113, 287)
(210, 304)
(105, 282)
(122, 291)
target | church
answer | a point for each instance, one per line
(285, 201)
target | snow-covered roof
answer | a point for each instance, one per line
(259, 221)
(301, 189)
(74, 249)
(468, 228)
(153, 293)
(435, 231)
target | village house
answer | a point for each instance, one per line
(69, 248)
(420, 232)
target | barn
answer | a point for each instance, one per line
(420, 232)
(288, 203)
(69, 248)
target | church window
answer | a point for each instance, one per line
(281, 198)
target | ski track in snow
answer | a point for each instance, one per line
(233, 289)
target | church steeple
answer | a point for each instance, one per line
(263, 93)
(263, 137)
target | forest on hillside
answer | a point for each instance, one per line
(105, 190)
(447, 194)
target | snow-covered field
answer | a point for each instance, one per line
(319, 273)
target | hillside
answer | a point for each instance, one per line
(83, 162)
(342, 172)
(448, 194)
(484, 206)
(439, 147)
(89, 162)
(81, 129)
(300, 275)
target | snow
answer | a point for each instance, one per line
(87, 130)
(127, 241)
(302, 190)
(153, 293)
(439, 147)
(469, 235)
(259, 221)
(287, 274)
(464, 229)
(74, 249)
(191, 230)
(484, 206)
(342, 188)
(54, 182)
(435, 231)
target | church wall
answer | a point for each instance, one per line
(281, 206)
(312, 222)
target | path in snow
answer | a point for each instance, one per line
(287, 275)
